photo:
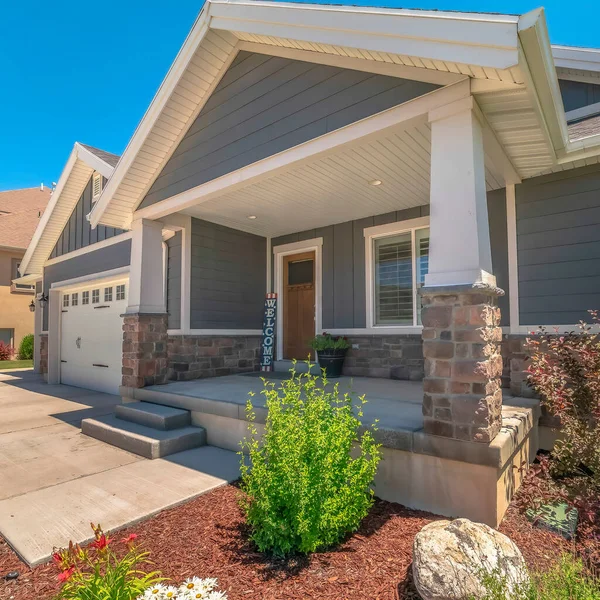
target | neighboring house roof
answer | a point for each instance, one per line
(584, 128)
(508, 60)
(20, 212)
(83, 161)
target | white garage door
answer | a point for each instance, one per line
(92, 336)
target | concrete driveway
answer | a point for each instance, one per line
(54, 480)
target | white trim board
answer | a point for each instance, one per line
(216, 332)
(313, 245)
(383, 330)
(122, 237)
(513, 263)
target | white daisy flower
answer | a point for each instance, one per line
(192, 583)
(216, 596)
(153, 593)
(169, 593)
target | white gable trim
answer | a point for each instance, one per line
(79, 168)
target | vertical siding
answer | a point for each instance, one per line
(174, 281)
(78, 233)
(558, 244)
(343, 255)
(228, 277)
(576, 94)
(266, 104)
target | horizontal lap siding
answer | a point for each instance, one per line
(264, 105)
(174, 281)
(343, 256)
(558, 241)
(103, 259)
(78, 233)
(228, 277)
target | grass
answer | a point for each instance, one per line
(15, 364)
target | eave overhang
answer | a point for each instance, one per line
(73, 179)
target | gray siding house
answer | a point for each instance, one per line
(425, 183)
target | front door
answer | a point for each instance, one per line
(298, 305)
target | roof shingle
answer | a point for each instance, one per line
(108, 157)
(20, 212)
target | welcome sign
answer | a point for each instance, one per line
(267, 354)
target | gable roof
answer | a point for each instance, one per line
(20, 212)
(83, 161)
(507, 58)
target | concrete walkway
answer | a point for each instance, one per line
(54, 480)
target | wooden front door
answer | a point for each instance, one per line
(298, 305)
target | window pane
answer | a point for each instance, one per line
(393, 280)
(422, 249)
(66, 300)
(300, 272)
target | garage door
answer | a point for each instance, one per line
(92, 336)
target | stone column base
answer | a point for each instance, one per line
(43, 342)
(144, 349)
(461, 343)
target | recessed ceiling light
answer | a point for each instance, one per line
(375, 182)
(252, 217)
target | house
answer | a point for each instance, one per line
(425, 182)
(20, 212)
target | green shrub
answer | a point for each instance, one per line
(303, 489)
(565, 581)
(26, 347)
(326, 341)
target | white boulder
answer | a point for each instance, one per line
(450, 559)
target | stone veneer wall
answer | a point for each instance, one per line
(514, 372)
(387, 356)
(195, 356)
(43, 341)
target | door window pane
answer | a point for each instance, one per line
(300, 272)
(66, 300)
(393, 280)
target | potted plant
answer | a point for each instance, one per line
(331, 351)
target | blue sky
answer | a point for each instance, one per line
(86, 71)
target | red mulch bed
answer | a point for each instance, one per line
(206, 537)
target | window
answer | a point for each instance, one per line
(19, 287)
(95, 296)
(399, 260)
(108, 294)
(65, 300)
(74, 299)
(96, 185)
(85, 297)
(121, 292)
(7, 336)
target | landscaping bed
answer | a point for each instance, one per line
(206, 537)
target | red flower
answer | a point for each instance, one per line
(129, 539)
(66, 575)
(101, 543)
(57, 559)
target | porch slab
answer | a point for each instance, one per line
(444, 476)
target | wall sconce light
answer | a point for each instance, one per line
(42, 300)
(32, 306)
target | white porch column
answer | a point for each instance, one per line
(462, 396)
(38, 319)
(146, 281)
(460, 250)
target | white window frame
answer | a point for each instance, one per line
(382, 231)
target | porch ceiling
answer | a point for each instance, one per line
(334, 188)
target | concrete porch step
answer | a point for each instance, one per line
(155, 416)
(142, 440)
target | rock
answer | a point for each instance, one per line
(450, 558)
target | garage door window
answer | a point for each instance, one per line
(85, 297)
(121, 292)
(108, 294)
(74, 299)
(65, 300)
(95, 296)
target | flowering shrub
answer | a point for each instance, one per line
(191, 589)
(98, 572)
(6, 351)
(303, 489)
(565, 371)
